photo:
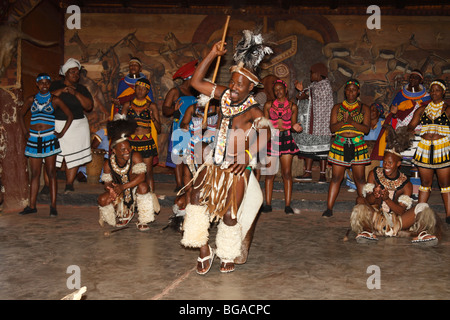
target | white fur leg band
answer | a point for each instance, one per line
(107, 214)
(361, 218)
(368, 188)
(106, 177)
(425, 219)
(146, 210)
(406, 200)
(228, 241)
(139, 168)
(195, 226)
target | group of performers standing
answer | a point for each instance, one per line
(217, 182)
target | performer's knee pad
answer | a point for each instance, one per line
(360, 218)
(107, 214)
(228, 241)
(195, 226)
(146, 209)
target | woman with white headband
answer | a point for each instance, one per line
(76, 143)
(433, 152)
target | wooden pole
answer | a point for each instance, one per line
(205, 116)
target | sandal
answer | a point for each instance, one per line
(366, 237)
(307, 176)
(225, 262)
(142, 226)
(210, 258)
(429, 242)
(123, 221)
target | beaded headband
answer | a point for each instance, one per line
(141, 83)
(439, 84)
(280, 81)
(356, 83)
(43, 77)
(136, 61)
(417, 73)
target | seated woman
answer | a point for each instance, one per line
(386, 207)
(126, 187)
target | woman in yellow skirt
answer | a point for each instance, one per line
(433, 152)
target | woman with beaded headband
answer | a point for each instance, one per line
(433, 152)
(386, 207)
(350, 121)
(42, 139)
(146, 113)
(127, 190)
(283, 114)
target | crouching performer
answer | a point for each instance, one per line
(127, 191)
(224, 188)
(386, 207)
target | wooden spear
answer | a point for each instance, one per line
(205, 116)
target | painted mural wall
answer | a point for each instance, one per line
(381, 58)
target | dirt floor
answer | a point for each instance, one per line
(292, 257)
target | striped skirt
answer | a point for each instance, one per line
(433, 154)
(75, 144)
(282, 143)
(42, 144)
(144, 144)
(349, 151)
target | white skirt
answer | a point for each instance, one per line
(75, 144)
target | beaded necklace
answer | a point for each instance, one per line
(434, 110)
(122, 172)
(42, 101)
(352, 109)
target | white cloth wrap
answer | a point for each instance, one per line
(75, 144)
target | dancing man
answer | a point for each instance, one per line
(224, 187)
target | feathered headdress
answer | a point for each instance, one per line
(119, 130)
(399, 140)
(249, 53)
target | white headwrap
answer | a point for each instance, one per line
(70, 63)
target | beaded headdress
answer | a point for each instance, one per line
(249, 53)
(398, 140)
(119, 130)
